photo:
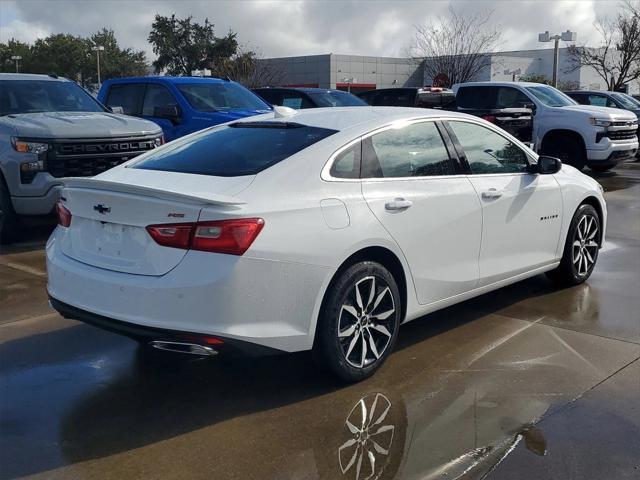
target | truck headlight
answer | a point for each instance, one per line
(601, 122)
(29, 147)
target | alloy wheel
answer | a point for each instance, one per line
(584, 249)
(366, 324)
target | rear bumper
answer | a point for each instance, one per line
(263, 302)
(143, 333)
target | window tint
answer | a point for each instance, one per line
(487, 151)
(435, 100)
(272, 97)
(484, 98)
(581, 98)
(395, 97)
(367, 96)
(127, 96)
(413, 151)
(347, 163)
(295, 100)
(212, 97)
(243, 148)
(598, 100)
(511, 98)
(157, 96)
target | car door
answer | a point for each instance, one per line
(417, 190)
(521, 211)
(158, 101)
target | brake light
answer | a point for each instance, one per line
(489, 118)
(177, 235)
(233, 236)
(64, 215)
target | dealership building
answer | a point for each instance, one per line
(360, 73)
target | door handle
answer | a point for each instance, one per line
(491, 193)
(398, 204)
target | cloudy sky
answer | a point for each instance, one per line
(297, 27)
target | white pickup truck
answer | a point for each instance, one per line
(579, 135)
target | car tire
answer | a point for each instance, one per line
(601, 168)
(581, 248)
(568, 149)
(9, 222)
(359, 322)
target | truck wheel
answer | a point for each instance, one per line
(358, 325)
(581, 248)
(9, 222)
(567, 149)
(601, 168)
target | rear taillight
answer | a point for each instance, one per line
(233, 237)
(489, 118)
(64, 215)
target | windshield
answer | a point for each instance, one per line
(34, 96)
(550, 96)
(213, 97)
(627, 101)
(243, 148)
(336, 99)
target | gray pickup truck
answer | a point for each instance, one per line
(51, 128)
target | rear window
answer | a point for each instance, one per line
(243, 148)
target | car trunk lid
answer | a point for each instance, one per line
(109, 218)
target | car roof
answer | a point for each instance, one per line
(32, 76)
(364, 118)
(168, 79)
(499, 84)
(591, 92)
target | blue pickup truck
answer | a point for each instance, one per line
(182, 105)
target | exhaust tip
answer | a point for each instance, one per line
(184, 347)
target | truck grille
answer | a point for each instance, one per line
(86, 158)
(621, 134)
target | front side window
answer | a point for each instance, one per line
(242, 148)
(157, 96)
(599, 101)
(415, 150)
(36, 96)
(511, 98)
(128, 96)
(295, 100)
(488, 151)
(213, 97)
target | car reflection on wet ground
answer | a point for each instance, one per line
(525, 382)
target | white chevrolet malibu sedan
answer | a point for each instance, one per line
(321, 229)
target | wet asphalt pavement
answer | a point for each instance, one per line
(528, 382)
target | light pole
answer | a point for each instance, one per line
(565, 37)
(98, 49)
(16, 58)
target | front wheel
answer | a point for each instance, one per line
(581, 248)
(9, 222)
(359, 321)
(568, 149)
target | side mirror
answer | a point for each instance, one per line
(547, 165)
(119, 110)
(170, 113)
(530, 106)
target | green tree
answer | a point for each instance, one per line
(72, 57)
(183, 45)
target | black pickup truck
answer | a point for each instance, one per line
(504, 106)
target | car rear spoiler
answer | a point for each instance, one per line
(195, 197)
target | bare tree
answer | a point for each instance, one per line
(455, 48)
(248, 68)
(617, 59)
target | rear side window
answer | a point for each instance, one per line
(477, 97)
(416, 150)
(397, 97)
(347, 163)
(128, 96)
(243, 148)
